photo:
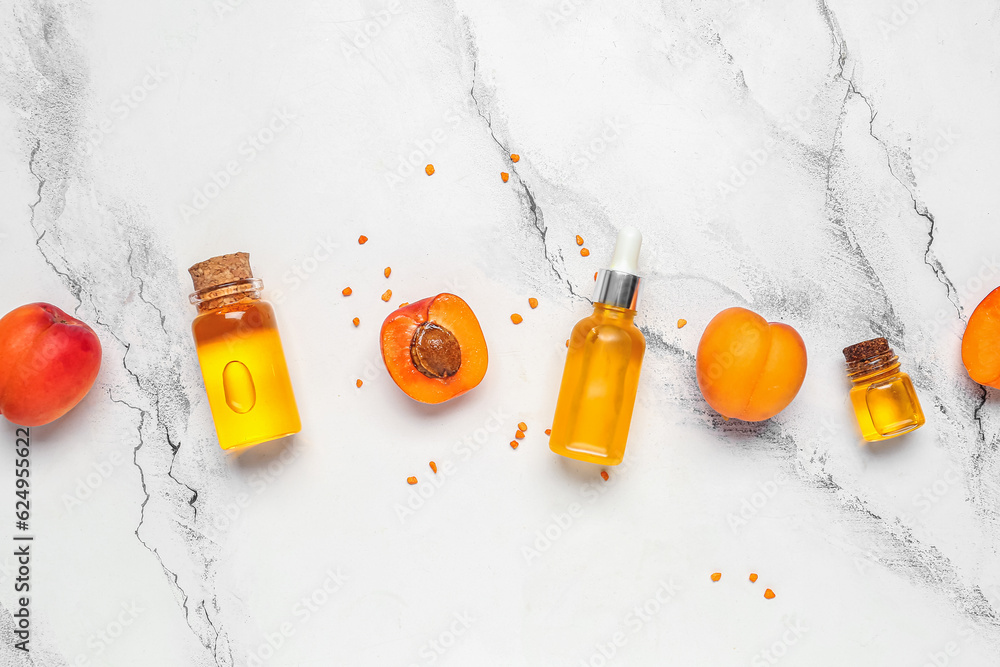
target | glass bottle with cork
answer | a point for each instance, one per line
(884, 400)
(242, 361)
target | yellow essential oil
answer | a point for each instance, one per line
(601, 376)
(884, 400)
(239, 349)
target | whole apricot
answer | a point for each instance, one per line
(749, 368)
(48, 363)
(981, 342)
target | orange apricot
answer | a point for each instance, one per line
(981, 342)
(749, 368)
(434, 349)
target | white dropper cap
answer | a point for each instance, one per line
(626, 257)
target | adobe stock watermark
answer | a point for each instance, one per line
(88, 484)
(559, 14)
(941, 144)
(302, 611)
(120, 109)
(751, 505)
(464, 448)
(415, 157)
(602, 139)
(779, 648)
(219, 519)
(102, 639)
(249, 149)
(433, 649)
(900, 14)
(559, 523)
(632, 624)
(370, 29)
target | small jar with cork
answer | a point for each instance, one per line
(884, 400)
(239, 349)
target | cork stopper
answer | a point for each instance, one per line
(221, 270)
(867, 350)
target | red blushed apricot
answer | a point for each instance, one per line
(434, 349)
(48, 363)
(981, 342)
(748, 368)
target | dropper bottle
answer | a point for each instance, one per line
(601, 376)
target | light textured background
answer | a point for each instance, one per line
(830, 165)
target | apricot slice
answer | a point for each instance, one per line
(981, 342)
(748, 368)
(434, 349)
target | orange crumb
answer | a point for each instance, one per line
(434, 466)
(522, 426)
(769, 594)
(513, 444)
(429, 169)
(604, 475)
(514, 157)
(404, 304)
(579, 240)
(584, 252)
(516, 319)
(359, 383)
(356, 321)
(347, 291)
(387, 271)
(533, 302)
(567, 342)
(411, 480)
(387, 295)
(716, 576)
(362, 239)
(681, 322)
(595, 275)
(504, 176)
(548, 431)
(519, 435)
(753, 577)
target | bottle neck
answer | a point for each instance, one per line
(623, 315)
(873, 368)
(225, 294)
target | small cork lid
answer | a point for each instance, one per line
(866, 350)
(221, 270)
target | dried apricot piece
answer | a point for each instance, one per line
(769, 594)
(411, 480)
(387, 295)
(533, 302)
(429, 169)
(347, 291)
(716, 576)
(516, 319)
(362, 239)
(356, 321)
(504, 176)
(604, 475)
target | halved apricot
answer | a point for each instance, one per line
(434, 349)
(981, 342)
(748, 368)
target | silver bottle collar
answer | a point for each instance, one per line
(618, 289)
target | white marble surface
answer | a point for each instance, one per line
(830, 165)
